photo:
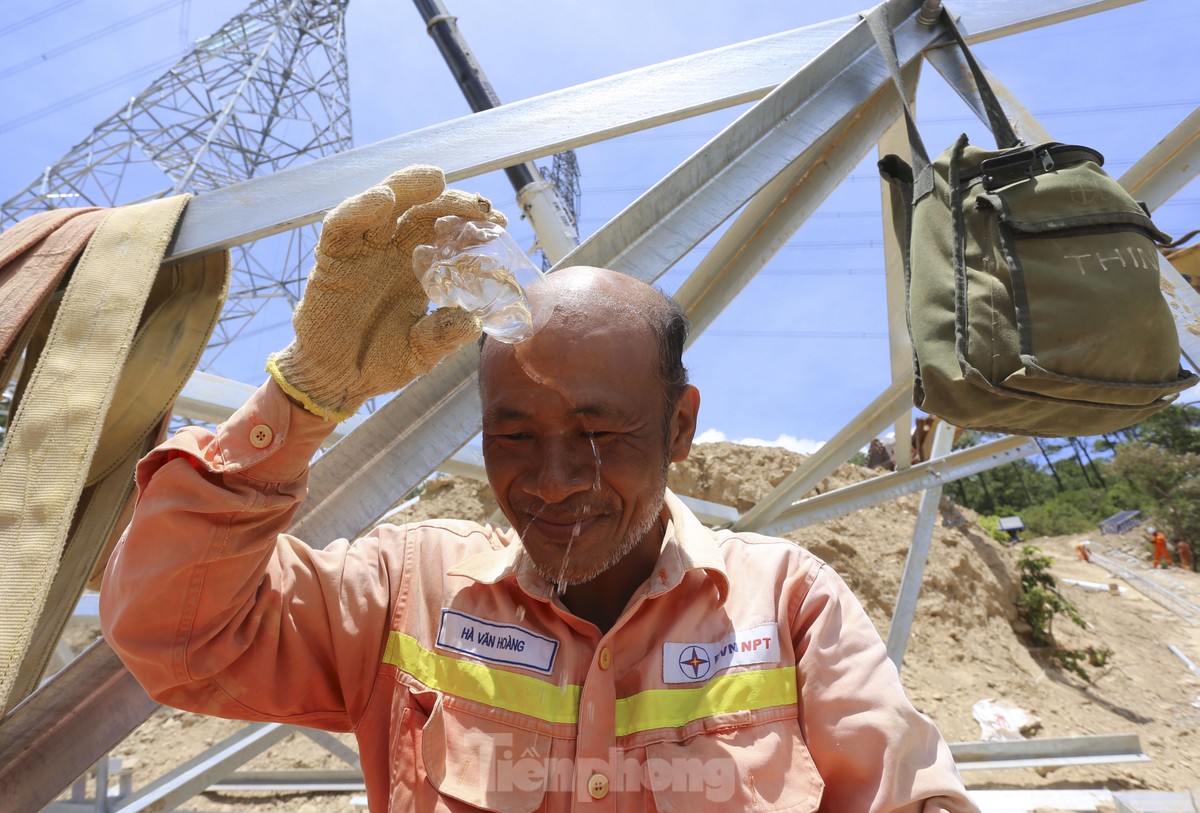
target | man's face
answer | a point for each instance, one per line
(576, 446)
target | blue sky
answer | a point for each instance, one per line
(804, 348)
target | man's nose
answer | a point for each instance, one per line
(565, 468)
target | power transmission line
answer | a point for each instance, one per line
(41, 15)
(62, 104)
(95, 35)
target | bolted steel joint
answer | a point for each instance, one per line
(930, 11)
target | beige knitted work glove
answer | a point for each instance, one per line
(362, 328)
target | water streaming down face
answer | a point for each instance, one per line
(578, 377)
(561, 583)
(524, 359)
(596, 454)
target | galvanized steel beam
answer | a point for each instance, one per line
(516, 132)
(918, 553)
(1048, 751)
(359, 479)
(1174, 601)
(787, 133)
(1185, 305)
(846, 500)
(787, 201)
(565, 119)
(856, 434)
(294, 781)
(1171, 165)
(988, 20)
(60, 730)
(1168, 167)
(195, 775)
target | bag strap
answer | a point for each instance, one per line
(998, 123)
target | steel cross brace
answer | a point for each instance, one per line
(954, 466)
(918, 553)
(356, 482)
(274, 203)
(565, 119)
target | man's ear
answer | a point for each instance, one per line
(683, 423)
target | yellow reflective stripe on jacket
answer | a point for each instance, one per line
(523, 694)
(673, 708)
(542, 700)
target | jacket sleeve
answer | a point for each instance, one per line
(873, 749)
(214, 609)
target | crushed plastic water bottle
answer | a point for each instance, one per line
(477, 266)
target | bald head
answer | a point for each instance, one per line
(578, 303)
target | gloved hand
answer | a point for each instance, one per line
(362, 329)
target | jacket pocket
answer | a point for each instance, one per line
(762, 767)
(485, 761)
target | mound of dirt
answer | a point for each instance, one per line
(967, 643)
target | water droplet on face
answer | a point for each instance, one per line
(596, 454)
(521, 352)
(520, 613)
(561, 584)
(532, 520)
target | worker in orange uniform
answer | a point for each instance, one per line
(1160, 547)
(608, 652)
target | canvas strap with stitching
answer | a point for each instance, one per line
(65, 446)
(29, 276)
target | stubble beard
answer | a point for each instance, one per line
(643, 524)
(562, 576)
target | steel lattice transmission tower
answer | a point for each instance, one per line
(268, 90)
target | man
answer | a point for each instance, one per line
(610, 653)
(1161, 552)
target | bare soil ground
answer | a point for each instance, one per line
(967, 643)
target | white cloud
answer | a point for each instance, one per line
(789, 442)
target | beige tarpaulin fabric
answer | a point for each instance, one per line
(67, 460)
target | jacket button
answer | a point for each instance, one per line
(598, 786)
(261, 436)
(605, 658)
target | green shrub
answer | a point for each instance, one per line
(1039, 602)
(991, 524)
(1040, 599)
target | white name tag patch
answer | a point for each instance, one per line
(496, 643)
(694, 662)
